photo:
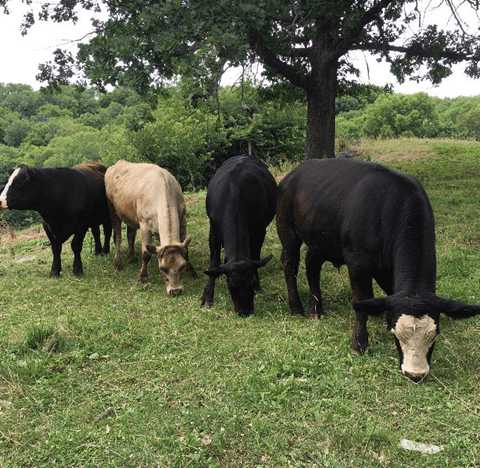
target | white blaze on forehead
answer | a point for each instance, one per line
(3, 196)
(416, 335)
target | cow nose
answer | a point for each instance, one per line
(416, 377)
(244, 312)
(175, 292)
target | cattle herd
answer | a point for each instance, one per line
(376, 221)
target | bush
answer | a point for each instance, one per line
(400, 115)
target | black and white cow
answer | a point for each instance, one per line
(240, 203)
(69, 200)
(380, 224)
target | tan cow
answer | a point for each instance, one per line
(149, 198)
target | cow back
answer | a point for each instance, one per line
(244, 191)
(143, 193)
(347, 207)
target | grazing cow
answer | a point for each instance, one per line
(380, 224)
(69, 200)
(149, 198)
(240, 203)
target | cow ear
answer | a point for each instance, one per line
(262, 262)
(187, 241)
(151, 248)
(216, 272)
(456, 309)
(372, 306)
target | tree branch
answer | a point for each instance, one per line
(414, 49)
(258, 44)
(355, 32)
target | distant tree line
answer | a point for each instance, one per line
(191, 133)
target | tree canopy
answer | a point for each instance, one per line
(307, 43)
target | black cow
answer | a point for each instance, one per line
(241, 200)
(69, 200)
(380, 224)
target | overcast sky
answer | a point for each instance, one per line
(21, 55)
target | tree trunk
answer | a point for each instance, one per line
(321, 94)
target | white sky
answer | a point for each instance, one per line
(21, 55)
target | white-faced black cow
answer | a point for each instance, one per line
(147, 197)
(240, 204)
(69, 200)
(380, 224)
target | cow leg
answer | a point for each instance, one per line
(57, 262)
(56, 247)
(189, 270)
(117, 237)
(96, 238)
(107, 233)
(290, 261)
(215, 246)
(313, 266)
(131, 233)
(361, 284)
(77, 245)
(146, 237)
(256, 243)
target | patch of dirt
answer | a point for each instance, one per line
(474, 243)
(10, 238)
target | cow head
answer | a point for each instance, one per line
(242, 279)
(414, 320)
(20, 192)
(172, 260)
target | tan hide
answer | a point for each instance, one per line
(147, 197)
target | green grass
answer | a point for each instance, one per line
(105, 371)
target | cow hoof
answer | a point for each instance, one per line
(300, 314)
(205, 304)
(54, 274)
(77, 273)
(143, 279)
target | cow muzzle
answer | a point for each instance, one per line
(416, 375)
(244, 312)
(175, 292)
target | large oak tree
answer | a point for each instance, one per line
(305, 42)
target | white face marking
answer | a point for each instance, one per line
(3, 196)
(416, 335)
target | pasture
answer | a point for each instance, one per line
(105, 371)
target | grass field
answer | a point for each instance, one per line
(102, 371)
